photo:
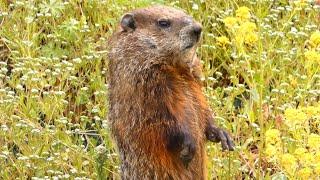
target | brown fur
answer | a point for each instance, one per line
(157, 110)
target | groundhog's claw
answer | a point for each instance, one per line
(215, 134)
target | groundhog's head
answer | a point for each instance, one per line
(158, 33)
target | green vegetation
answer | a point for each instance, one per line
(261, 64)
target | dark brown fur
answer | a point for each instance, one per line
(158, 114)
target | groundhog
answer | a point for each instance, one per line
(158, 115)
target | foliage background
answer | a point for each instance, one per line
(261, 75)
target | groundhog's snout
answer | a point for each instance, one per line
(189, 36)
(197, 29)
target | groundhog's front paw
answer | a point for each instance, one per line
(215, 134)
(183, 146)
(188, 150)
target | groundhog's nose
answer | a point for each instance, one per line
(197, 30)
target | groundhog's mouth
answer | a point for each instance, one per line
(189, 46)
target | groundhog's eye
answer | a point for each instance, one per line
(164, 23)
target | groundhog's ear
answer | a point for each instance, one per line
(128, 23)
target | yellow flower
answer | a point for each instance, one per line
(293, 81)
(318, 107)
(317, 156)
(317, 169)
(247, 27)
(230, 21)
(243, 13)
(251, 38)
(295, 117)
(315, 39)
(312, 55)
(314, 141)
(311, 111)
(304, 173)
(272, 136)
(289, 163)
(301, 3)
(223, 41)
(246, 33)
(271, 151)
(300, 152)
(306, 159)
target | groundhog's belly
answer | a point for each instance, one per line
(147, 134)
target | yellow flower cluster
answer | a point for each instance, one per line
(317, 169)
(303, 160)
(305, 173)
(243, 13)
(314, 141)
(273, 136)
(247, 31)
(299, 152)
(317, 165)
(311, 111)
(271, 151)
(315, 39)
(312, 55)
(297, 163)
(230, 22)
(289, 163)
(273, 142)
(223, 41)
(301, 3)
(241, 29)
(306, 159)
(295, 117)
(247, 27)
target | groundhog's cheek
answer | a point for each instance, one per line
(150, 43)
(185, 41)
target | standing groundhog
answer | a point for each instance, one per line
(158, 114)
